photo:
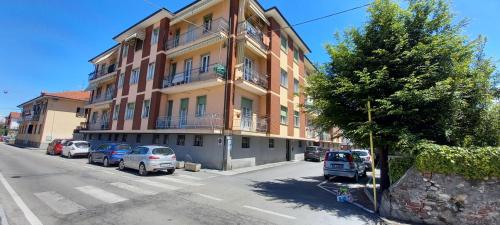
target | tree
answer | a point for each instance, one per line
(423, 77)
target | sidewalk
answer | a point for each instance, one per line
(248, 169)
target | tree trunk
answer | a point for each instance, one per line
(384, 168)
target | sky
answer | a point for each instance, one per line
(46, 45)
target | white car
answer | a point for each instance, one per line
(75, 148)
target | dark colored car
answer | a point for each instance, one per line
(315, 153)
(108, 154)
(56, 146)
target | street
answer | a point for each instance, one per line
(42, 189)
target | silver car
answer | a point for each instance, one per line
(365, 157)
(343, 164)
(149, 159)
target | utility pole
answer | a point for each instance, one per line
(374, 183)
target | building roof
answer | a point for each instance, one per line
(14, 115)
(71, 95)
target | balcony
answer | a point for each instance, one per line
(198, 37)
(251, 124)
(102, 99)
(254, 38)
(252, 81)
(99, 125)
(202, 77)
(103, 72)
(210, 121)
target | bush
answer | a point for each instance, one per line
(398, 167)
(472, 163)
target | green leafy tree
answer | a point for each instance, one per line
(423, 77)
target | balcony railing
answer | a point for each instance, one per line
(205, 30)
(194, 75)
(254, 33)
(99, 125)
(207, 121)
(102, 72)
(103, 98)
(254, 77)
(252, 124)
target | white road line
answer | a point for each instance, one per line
(210, 197)
(189, 177)
(179, 181)
(134, 189)
(30, 216)
(100, 194)
(157, 184)
(269, 212)
(58, 203)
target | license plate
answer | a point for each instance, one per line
(338, 166)
(165, 164)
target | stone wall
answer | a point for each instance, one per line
(432, 198)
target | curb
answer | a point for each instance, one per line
(3, 218)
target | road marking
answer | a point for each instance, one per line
(180, 181)
(269, 212)
(210, 197)
(30, 216)
(58, 203)
(189, 177)
(157, 184)
(134, 189)
(100, 194)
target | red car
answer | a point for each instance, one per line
(56, 146)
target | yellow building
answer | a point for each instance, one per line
(51, 116)
(219, 81)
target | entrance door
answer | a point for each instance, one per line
(188, 67)
(246, 114)
(288, 150)
(183, 111)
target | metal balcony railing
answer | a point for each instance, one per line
(194, 75)
(99, 125)
(254, 77)
(254, 33)
(207, 121)
(102, 72)
(204, 30)
(251, 124)
(103, 98)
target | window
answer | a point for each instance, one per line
(90, 136)
(134, 78)
(300, 144)
(181, 139)
(156, 139)
(116, 111)
(78, 110)
(296, 119)
(109, 137)
(120, 80)
(129, 112)
(198, 140)
(284, 78)
(125, 51)
(116, 137)
(284, 115)
(295, 86)
(138, 44)
(165, 139)
(138, 138)
(201, 105)
(205, 61)
(124, 137)
(245, 142)
(145, 108)
(93, 119)
(284, 42)
(207, 23)
(99, 137)
(271, 143)
(155, 35)
(295, 54)
(151, 71)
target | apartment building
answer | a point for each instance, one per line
(12, 124)
(218, 81)
(51, 116)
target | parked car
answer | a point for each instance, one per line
(314, 153)
(149, 159)
(365, 157)
(108, 154)
(55, 147)
(75, 148)
(343, 164)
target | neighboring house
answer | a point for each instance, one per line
(12, 123)
(172, 77)
(51, 116)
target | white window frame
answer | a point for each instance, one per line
(296, 86)
(129, 111)
(151, 71)
(155, 35)
(121, 78)
(116, 112)
(204, 63)
(125, 51)
(296, 119)
(283, 37)
(134, 76)
(284, 78)
(146, 107)
(284, 119)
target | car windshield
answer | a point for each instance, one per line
(311, 149)
(163, 151)
(123, 147)
(338, 157)
(82, 145)
(362, 153)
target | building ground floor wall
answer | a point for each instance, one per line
(29, 143)
(208, 149)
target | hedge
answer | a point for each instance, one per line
(398, 167)
(472, 163)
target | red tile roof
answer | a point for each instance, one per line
(76, 95)
(14, 115)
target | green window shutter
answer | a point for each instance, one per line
(246, 103)
(202, 100)
(184, 103)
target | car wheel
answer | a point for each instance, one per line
(91, 161)
(356, 177)
(142, 170)
(105, 162)
(170, 171)
(121, 165)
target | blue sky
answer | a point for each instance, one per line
(45, 45)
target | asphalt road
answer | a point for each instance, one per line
(39, 189)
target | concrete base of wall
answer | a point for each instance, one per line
(240, 163)
(299, 157)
